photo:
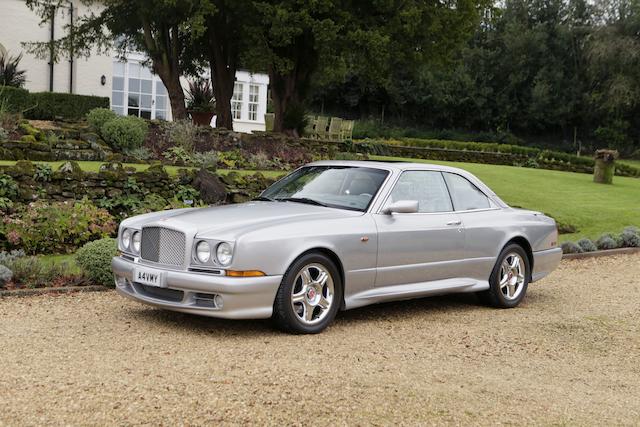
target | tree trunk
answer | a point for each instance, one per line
(223, 83)
(165, 62)
(223, 57)
(286, 91)
(176, 99)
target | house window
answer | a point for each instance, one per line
(136, 92)
(254, 91)
(236, 101)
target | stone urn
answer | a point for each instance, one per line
(605, 166)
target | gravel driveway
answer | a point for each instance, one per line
(569, 355)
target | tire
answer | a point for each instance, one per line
(508, 290)
(309, 295)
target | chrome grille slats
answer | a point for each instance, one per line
(163, 245)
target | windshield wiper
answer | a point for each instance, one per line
(263, 199)
(302, 200)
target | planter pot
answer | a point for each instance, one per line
(200, 118)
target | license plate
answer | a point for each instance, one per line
(149, 277)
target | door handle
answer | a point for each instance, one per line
(456, 222)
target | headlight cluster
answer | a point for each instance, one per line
(130, 240)
(204, 253)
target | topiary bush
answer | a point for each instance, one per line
(125, 133)
(94, 259)
(630, 237)
(98, 117)
(587, 245)
(571, 248)
(607, 241)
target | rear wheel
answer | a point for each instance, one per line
(509, 278)
(309, 296)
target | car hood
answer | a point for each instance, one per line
(229, 221)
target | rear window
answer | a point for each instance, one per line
(464, 194)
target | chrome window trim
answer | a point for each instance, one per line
(401, 171)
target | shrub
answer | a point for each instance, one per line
(31, 272)
(59, 227)
(141, 154)
(94, 259)
(43, 172)
(10, 72)
(182, 134)
(125, 132)
(207, 160)
(607, 241)
(8, 257)
(8, 191)
(8, 187)
(571, 248)
(52, 105)
(98, 117)
(200, 96)
(587, 245)
(5, 275)
(630, 237)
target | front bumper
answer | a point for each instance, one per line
(191, 292)
(544, 262)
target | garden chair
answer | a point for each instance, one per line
(269, 120)
(321, 127)
(334, 128)
(310, 128)
(346, 131)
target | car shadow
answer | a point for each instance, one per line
(406, 309)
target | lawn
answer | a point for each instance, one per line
(171, 170)
(569, 197)
(634, 163)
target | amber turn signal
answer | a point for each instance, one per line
(248, 273)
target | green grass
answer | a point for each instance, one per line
(69, 260)
(569, 197)
(171, 170)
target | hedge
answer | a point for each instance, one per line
(484, 152)
(51, 105)
(17, 100)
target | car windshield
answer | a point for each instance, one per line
(342, 187)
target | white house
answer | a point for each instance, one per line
(130, 85)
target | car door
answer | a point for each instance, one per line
(422, 246)
(484, 226)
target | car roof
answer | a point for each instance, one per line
(399, 165)
(402, 166)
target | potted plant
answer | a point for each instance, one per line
(201, 103)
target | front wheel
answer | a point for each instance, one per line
(309, 296)
(509, 278)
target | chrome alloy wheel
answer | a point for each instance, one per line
(312, 293)
(512, 277)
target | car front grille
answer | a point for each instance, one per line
(163, 245)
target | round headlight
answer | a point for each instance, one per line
(203, 251)
(126, 238)
(224, 253)
(135, 241)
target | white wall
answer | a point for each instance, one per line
(19, 24)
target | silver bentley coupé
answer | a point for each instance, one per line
(336, 235)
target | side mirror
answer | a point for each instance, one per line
(401, 206)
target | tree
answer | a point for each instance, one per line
(161, 29)
(228, 26)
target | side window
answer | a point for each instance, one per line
(465, 195)
(427, 187)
